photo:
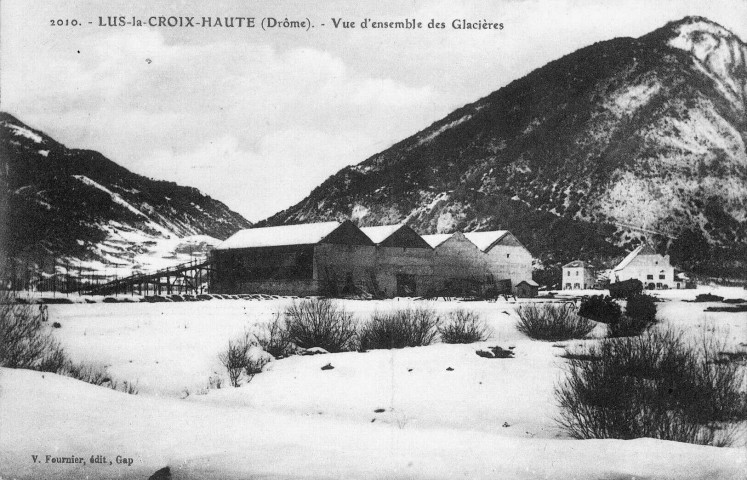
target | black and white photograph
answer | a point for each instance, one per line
(419, 239)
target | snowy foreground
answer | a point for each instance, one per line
(380, 414)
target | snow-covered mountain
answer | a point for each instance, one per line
(583, 157)
(69, 209)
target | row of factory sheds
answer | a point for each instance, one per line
(339, 258)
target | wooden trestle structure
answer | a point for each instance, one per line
(186, 278)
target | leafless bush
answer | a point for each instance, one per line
(235, 356)
(125, 387)
(242, 356)
(656, 385)
(273, 337)
(254, 365)
(24, 343)
(92, 373)
(215, 382)
(24, 340)
(320, 323)
(551, 322)
(129, 388)
(410, 327)
(95, 374)
(464, 327)
(54, 360)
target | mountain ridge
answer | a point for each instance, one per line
(81, 208)
(647, 132)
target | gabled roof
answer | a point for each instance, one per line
(531, 283)
(647, 250)
(395, 236)
(305, 234)
(436, 239)
(380, 233)
(627, 259)
(641, 250)
(578, 264)
(485, 240)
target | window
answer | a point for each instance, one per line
(508, 255)
(577, 273)
(649, 277)
(662, 276)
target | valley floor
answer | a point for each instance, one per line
(429, 412)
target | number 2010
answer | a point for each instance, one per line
(63, 22)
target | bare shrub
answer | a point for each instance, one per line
(129, 388)
(215, 382)
(626, 327)
(410, 327)
(54, 360)
(551, 322)
(254, 365)
(234, 358)
(320, 323)
(273, 337)
(464, 326)
(24, 343)
(656, 385)
(125, 387)
(24, 340)
(92, 373)
(243, 357)
(96, 374)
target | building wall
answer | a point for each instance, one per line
(578, 278)
(235, 269)
(300, 288)
(394, 261)
(510, 261)
(458, 259)
(648, 269)
(341, 264)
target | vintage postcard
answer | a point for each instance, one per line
(373, 239)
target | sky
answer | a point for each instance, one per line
(258, 118)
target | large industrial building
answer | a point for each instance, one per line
(337, 258)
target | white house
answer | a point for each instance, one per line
(578, 275)
(646, 265)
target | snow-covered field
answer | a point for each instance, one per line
(429, 412)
